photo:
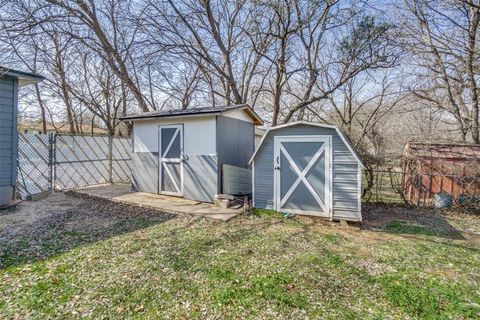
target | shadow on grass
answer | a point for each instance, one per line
(408, 220)
(70, 222)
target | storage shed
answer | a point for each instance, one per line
(181, 152)
(431, 168)
(307, 168)
(10, 80)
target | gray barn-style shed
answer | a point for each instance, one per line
(307, 168)
(10, 80)
(181, 152)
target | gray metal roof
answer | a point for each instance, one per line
(194, 112)
(24, 78)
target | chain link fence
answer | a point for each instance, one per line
(54, 162)
(456, 193)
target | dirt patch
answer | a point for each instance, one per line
(402, 219)
(27, 213)
(61, 222)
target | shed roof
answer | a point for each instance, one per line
(24, 78)
(457, 151)
(260, 131)
(195, 112)
(322, 125)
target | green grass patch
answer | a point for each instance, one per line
(428, 298)
(400, 226)
(268, 213)
(262, 266)
(333, 238)
(276, 288)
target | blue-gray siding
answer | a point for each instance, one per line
(200, 178)
(199, 174)
(8, 137)
(8, 131)
(345, 172)
(145, 171)
(235, 143)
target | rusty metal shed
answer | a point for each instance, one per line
(430, 168)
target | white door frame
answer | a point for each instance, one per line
(162, 161)
(325, 148)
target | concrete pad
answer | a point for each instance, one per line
(178, 205)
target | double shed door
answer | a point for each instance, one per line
(303, 175)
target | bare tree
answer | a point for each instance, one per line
(103, 33)
(442, 36)
(210, 35)
(271, 39)
(368, 45)
(99, 90)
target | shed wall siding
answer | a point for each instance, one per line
(345, 172)
(198, 135)
(200, 178)
(199, 168)
(145, 171)
(235, 143)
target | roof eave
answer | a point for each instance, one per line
(247, 109)
(345, 141)
(255, 117)
(24, 78)
(203, 114)
(250, 112)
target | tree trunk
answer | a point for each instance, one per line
(42, 108)
(472, 33)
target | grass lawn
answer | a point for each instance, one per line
(100, 261)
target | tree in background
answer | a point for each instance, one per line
(442, 37)
(365, 66)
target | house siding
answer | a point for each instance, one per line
(235, 143)
(8, 138)
(345, 172)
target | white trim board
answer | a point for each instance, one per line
(239, 114)
(345, 141)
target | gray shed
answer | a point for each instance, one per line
(307, 168)
(181, 152)
(10, 80)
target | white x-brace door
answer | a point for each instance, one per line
(303, 175)
(170, 166)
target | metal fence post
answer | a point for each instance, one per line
(110, 159)
(419, 187)
(51, 162)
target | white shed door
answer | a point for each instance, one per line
(303, 179)
(170, 138)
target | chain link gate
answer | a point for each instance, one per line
(55, 162)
